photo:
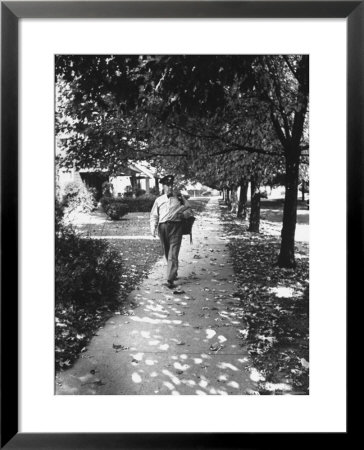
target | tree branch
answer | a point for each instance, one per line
(190, 133)
(277, 127)
(246, 149)
(277, 88)
(290, 67)
(236, 145)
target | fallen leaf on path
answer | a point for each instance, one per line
(216, 347)
(122, 347)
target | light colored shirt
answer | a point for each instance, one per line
(166, 209)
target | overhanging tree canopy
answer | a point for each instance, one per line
(190, 108)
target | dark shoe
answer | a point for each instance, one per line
(179, 291)
(169, 285)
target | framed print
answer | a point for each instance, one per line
(48, 47)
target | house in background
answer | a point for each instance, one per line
(199, 190)
(132, 179)
(135, 177)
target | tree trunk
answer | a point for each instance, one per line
(286, 257)
(243, 199)
(303, 190)
(157, 184)
(255, 205)
(227, 198)
(234, 200)
(133, 183)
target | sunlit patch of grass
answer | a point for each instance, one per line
(275, 307)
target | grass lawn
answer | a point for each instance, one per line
(274, 302)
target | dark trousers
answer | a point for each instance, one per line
(170, 235)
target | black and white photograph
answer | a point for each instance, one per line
(182, 224)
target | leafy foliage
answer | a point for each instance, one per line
(154, 191)
(115, 208)
(87, 271)
(140, 107)
(87, 277)
(78, 198)
(204, 117)
(107, 189)
(106, 200)
(116, 211)
(144, 203)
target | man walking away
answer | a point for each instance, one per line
(166, 218)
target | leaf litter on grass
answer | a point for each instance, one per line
(274, 307)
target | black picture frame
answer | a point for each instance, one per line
(11, 12)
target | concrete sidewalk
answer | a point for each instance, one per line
(184, 343)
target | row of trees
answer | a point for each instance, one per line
(221, 120)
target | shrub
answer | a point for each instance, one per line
(128, 191)
(59, 213)
(87, 270)
(307, 187)
(105, 202)
(115, 208)
(78, 198)
(107, 189)
(144, 203)
(154, 191)
(94, 194)
(148, 197)
(140, 192)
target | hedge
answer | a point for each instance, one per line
(87, 270)
(144, 203)
(115, 208)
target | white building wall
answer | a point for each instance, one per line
(120, 184)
